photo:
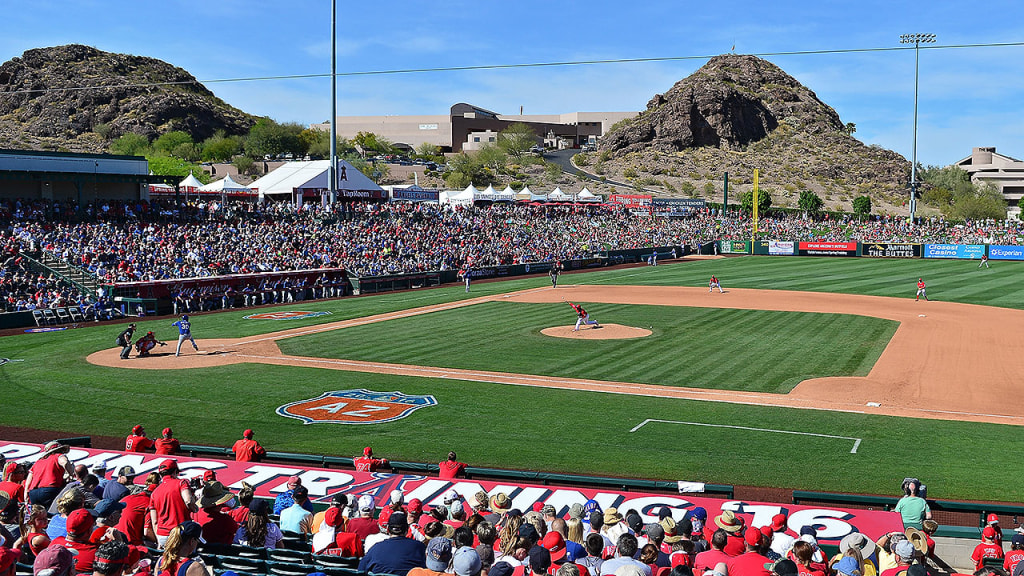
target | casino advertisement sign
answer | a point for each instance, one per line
(269, 480)
(887, 250)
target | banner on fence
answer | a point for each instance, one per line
(962, 251)
(998, 252)
(827, 248)
(888, 250)
(269, 480)
(781, 248)
(734, 246)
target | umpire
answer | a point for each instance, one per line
(125, 341)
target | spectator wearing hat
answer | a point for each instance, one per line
(181, 545)
(864, 549)
(258, 531)
(363, 524)
(986, 549)
(1015, 555)
(540, 561)
(49, 474)
(167, 444)
(451, 468)
(248, 450)
(339, 501)
(108, 514)
(135, 518)
(286, 499)
(398, 554)
(396, 503)
(781, 542)
(55, 560)
(752, 562)
(612, 526)
(367, 463)
(625, 550)
(850, 564)
(218, 526)
(673, 541)
(171, 503)
(904, 553)
(733, 526)
(993, 520)
(137, 440)
(99, 470)
(785, 567)
(912, 507)
(120, 487)
(80, 527)
(332, 540)
(10, 555)
(12, 484)
(818, 559)
(708, 560)
(554, 543)
(438, 558)
(296, 518)
(656, 536)
(482, 504)
(466, 562)
(500, 504)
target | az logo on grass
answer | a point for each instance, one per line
(356, 407)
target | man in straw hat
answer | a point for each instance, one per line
(733, 526)
(49, 474)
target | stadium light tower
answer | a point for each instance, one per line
(916, 40)
(332, 178)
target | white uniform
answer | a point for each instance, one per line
(714, 283)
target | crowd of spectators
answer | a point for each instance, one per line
(119, 241)
(55, 504)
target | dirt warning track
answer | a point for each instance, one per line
(946, 361)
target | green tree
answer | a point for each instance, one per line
(220, 148)
(850, 128)
(130, 144)
(862, 205)
(517, 139)
(373, 144)
(951, 178)
(764, 202)
(189, 151)
(166, 143)
(465, 170)
(244, 164)
(428, 151)
(492, 157)
(810, 202)
(317, 144)
(981, 202)
(170, 166)
(268, 138)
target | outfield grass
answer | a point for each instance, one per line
(516, 427)
(752, 350)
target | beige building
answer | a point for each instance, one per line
(467, 127)
(985, 165)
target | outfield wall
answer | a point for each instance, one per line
(868, 249)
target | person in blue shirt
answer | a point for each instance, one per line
(184, 333)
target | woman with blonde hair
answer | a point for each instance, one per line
(181, 544)
(574, 530)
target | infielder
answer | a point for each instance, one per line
(920, 290)
(582, 317)
(184, 333)
(714, 283)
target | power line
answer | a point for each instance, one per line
(509, 67)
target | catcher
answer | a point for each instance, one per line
(146, 343)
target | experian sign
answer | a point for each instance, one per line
(997, 252)
(961, 251)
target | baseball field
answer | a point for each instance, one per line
(807, 373)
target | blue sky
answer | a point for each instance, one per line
(969, 97)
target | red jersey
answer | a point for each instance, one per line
(985, 550)
(14, 489)
(579, 310)
(450, 469)
(86, 554)
(247, 450)
(240, 514)
(136, 443)
(169, 505)
(134, 517)
(1013, 557)
(750, 564)
(218, 527)
(708, 559)
(47, 472)
(368, 463)
(168, 446)
(920, 285)
(345, 544)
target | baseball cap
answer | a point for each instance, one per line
(540, 558)
(106, 507)
(398, 523)
(848, 566)
(905, 550)
(168, 465)
(99, 468)
(81, 521)
(415, 505)
(555, 545)
(190, 529)
(451, 496)
(655, 532)
(576, 511)
(439, 554)
(137, 429)
(209, 476)
(808, 531)
(339, 499)
(397, 497)
(989, 532)
(53, 561)
(466, 562)
(126, 471)
(333, 517)
(752, 536)
(779, 522)
(294, 481)
(365, 503)
(548, 510)
(367, 451)
(528, 532)
(992, 519)
(259, 506)
(167, 431)
(506, 569)
(300, 492)
(247, 433)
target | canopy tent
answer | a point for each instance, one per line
(557, 195)
(506, 195)
(226, 185)
(588, 196)
(456, 197)
(190, 183)
(486, 195)
(524, 194)
(310, 177)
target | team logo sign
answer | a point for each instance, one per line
(356, 407)
(289, 315)
(45, 329)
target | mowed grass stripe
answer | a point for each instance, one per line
(753, 350)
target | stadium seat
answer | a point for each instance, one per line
(286, 555)
(294, 541)
(242, 565)
(339, 571)
(62, 315)
(23, 569)
(76, 314)
(992, 563)
(329, 561)
(290, 568)
(37, 315)
(50, 316)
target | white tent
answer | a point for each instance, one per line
(487, 195)
(557, 195)
(456, 197)
(506, 195)
(226, 185)
(190, 183)
(588, 196)
(296, 178)
(524, 194)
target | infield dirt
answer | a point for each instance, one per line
(946, 361)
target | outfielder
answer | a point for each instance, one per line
(984, 261)
(146, 343)
(714, 283)
(467, 275)
(582, 317)
(920, 290)
(184, 333)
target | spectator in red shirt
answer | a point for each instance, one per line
(80, 526)
(137, 440)
(49, 474)
(451, 468)
(172, 501)
(248, 450)
(367, 463)
(218, 526)
(987, 548)
(168, 444)
(708, 560)
(1016, 553)
(753, 561)
(134, 521)
(363, 525)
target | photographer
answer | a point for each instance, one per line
(913, 507)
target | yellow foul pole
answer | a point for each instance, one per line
(754, 236)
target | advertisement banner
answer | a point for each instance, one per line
(887, 250)
(827, 248)
(631, 200)
(680, 202)
(961, 251)
(415, 195)
(734, 246)
(269, 480)
(781, 248)
(998, 252)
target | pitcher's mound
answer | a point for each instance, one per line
(605, 332)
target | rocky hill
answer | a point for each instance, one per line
(738, 113)
(79, 98)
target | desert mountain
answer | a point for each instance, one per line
(78, 98)
(738, 113)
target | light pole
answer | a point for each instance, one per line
(332, 176)
(916, 40)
